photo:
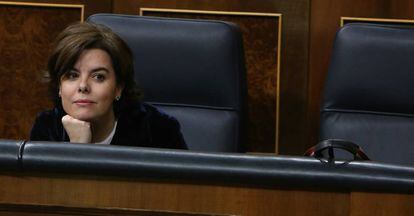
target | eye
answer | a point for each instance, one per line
(99, 77)
(70, 75)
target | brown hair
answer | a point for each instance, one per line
(78, 37)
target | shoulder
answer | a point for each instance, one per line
(46, 117)
(46, 126)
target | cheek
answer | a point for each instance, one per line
(65, 91)
(107, 97)
(106, 92)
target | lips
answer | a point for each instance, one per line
(83, 102)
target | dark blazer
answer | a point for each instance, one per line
(143, 126)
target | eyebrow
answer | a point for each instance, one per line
(100, 69)
(94, 70)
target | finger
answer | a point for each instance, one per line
(67, 119)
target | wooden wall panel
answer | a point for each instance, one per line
(402, 9)
(91, 6)
(379, 21)
(26, 35)
(268, 126)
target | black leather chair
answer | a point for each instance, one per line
(369, 92)
(193, 70)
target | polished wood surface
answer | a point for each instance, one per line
(381, 204)
(50, 210)
(166, 196)
(88, 193)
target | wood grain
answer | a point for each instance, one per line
(38, 210)
(63, 194)
(102, 192)
(26, 34)
(364, 204)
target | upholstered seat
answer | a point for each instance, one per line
(369, 92)
(193, 70)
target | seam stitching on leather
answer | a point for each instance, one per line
(368, 112)
(20, 154)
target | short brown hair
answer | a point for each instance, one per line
(76, 38)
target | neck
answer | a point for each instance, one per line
(102, 128)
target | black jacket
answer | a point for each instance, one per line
(143, 126)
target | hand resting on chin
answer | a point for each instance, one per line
(78, 131)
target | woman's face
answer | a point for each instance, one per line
(89, 89)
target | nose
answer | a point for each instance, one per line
(83, 86)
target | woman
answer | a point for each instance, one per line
(96, 100)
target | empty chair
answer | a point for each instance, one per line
(369, 92)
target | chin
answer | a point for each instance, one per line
(86, 119)
(83, 116)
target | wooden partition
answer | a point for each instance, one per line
(53, 194)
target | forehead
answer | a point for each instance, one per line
(94, 58)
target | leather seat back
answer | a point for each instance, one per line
(368, 97)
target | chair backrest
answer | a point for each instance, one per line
(193, 70)
(369, 92)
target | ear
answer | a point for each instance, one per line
(60, 91)
(118, 90)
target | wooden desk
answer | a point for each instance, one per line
(86, 179)
(58, 194)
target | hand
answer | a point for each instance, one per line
(78, 131)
